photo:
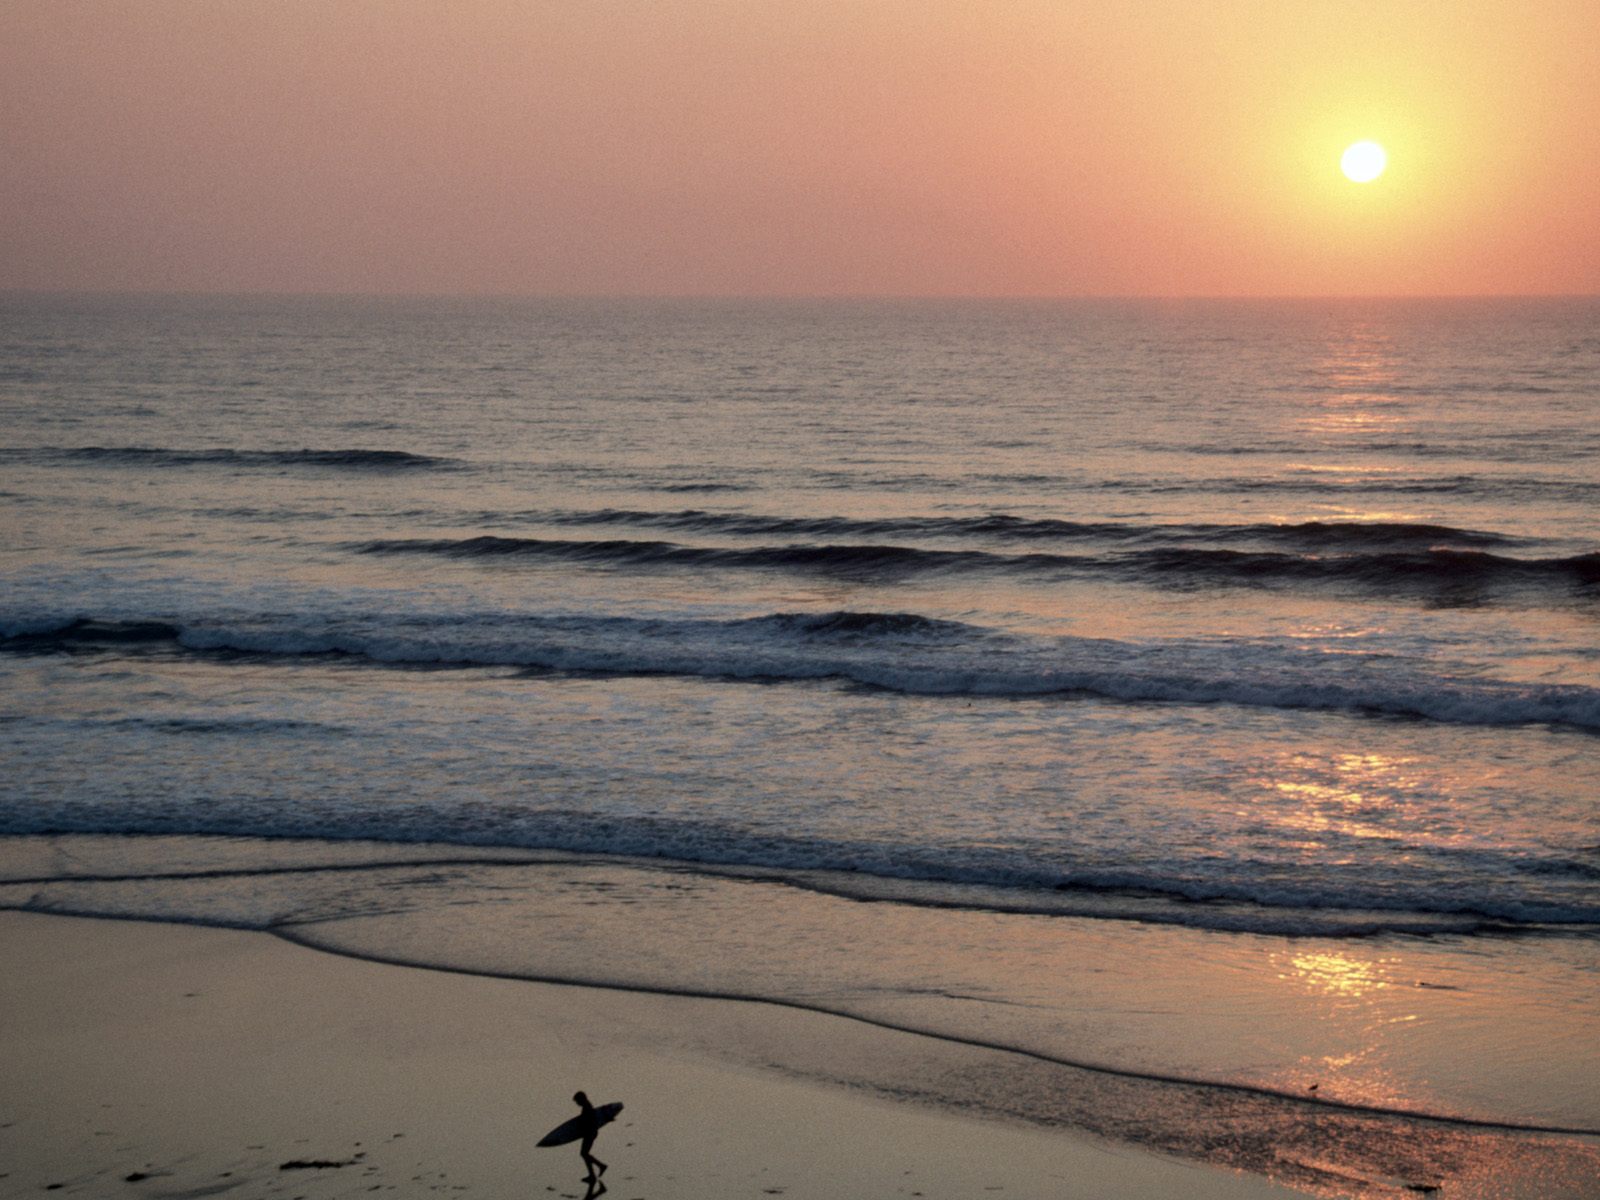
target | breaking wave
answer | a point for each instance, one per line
(897, 652)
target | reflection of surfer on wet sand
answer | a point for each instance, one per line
(585, 1126)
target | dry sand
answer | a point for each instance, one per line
(144, 1060)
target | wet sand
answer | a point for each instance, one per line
(150, 1060)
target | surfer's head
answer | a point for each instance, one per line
(580, 1099)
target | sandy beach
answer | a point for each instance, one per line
(153, 1060)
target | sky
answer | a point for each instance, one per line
(799, 147)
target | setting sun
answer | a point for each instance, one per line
(1363, 162)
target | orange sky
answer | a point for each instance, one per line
(904, 147)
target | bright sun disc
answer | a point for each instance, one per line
(1363, 162)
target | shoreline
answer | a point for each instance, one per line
(1304, 1033)
(683, 964)
(179, 1061)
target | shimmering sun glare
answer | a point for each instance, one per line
(1363, 162)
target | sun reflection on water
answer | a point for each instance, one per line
(1335, 974)
(1362, 1002)
(1359, 795)
(1359, 370)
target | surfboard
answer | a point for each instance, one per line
(571, 1131)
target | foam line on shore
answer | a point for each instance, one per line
(1133, 899)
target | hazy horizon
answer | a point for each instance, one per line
(798, 297)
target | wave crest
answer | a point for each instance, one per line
(1380, 570)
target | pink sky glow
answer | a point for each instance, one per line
(801, 147)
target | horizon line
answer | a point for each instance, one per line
(782, 297)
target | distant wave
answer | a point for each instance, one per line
(844, 558)
(1177, 565)
(1355, 482)
(1506, 447)
(1291, 480)
(157, 456)
(230, 726)
(901, 652)
(707, 486)
(1310, 535)
(1465, 568)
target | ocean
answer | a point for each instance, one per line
(1190, 705)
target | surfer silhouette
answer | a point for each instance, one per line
(583, 1129)
(591, 1130)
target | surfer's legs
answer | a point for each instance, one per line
(596, 1167)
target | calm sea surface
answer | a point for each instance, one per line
(1202, 691)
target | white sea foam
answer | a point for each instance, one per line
(898, 652)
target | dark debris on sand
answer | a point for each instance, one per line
(314, 1164)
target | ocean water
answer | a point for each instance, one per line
(1200, 698)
